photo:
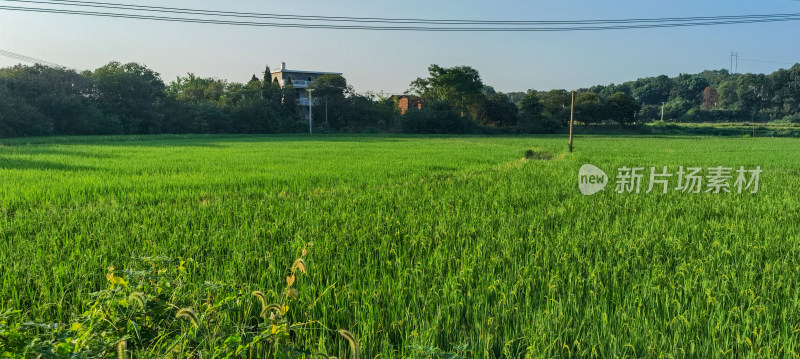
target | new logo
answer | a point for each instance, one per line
(591, 179)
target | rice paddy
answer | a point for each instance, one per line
(423, 246)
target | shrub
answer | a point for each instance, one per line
(436, 117)
(792, 118)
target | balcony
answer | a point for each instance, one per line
(300, 83)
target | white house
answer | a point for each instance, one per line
(300, 79)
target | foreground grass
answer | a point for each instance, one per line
(424, 242)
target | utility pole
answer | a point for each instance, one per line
(310, 113)
(662, 110)
(571, 119)
(734, 55)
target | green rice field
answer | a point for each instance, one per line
(419, 246)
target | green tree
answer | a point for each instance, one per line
(435, 117)
(589, 108)
(728, 97)
(653, 90)
(649, 113)
(532, 116)
(461, 87)
(133, 93)
(531, 108)
(289, 99)
(330, 94)
(498, 111)
(786, 95)
(195, 90)
(18, 118)
(270, 89)
(689, 87)
(622, 108)
(753, 93)
(557, 105)
(363, 112)
(63, 97)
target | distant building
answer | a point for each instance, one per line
(404, 102)
(300, 79)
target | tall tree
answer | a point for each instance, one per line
(753, 94)
(498, 111)
(460, 86)
(331, 91)
(18, 118)
(270, 89)
(654, 90)
(622, 108)
(289, 98)
(533, 117)
(196, 90)
(61, 96)
(689, 88)
(556, 105)
(589, 108)
(131, 92)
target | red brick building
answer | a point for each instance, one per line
(404, 102)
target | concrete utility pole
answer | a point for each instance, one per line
(571, 111)
(662, 110)
(310, 113)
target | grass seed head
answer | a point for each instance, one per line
(188, 314)
(274, 308)
(138, 298)
(351, 339)
(121, 349)
(293, 293)
(300, 264)
(261, 297)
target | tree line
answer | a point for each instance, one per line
(457, 100)
(130, 98)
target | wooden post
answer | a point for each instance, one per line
(571, 111)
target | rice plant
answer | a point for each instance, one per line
(422, 246)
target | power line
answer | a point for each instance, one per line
(235, 14)
(607, 24)
(769, 62)
(29, 59)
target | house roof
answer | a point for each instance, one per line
(305, 72)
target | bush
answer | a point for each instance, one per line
(436, 117)
(792, 118)
(18, 118)
(699, 115)
(676, 108)
(540, 125)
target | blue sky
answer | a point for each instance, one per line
(389, 61)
